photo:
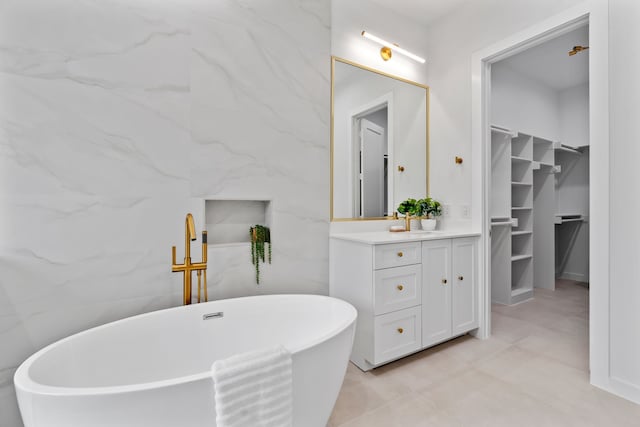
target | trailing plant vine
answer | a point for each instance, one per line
(260, 236)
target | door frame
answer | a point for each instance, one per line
(595, 13)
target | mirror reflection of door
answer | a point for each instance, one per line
(400, 108)
(372, 155)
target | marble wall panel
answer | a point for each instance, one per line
(114, 116)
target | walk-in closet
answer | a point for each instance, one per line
(540, 169)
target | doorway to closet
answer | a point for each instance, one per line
(539, 197)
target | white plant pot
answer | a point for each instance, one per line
(416, 224)
(429, 224)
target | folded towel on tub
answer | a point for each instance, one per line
(254, 389)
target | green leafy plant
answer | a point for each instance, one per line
(409, 207)
(260, 239)
(429, 208)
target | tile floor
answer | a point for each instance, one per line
(533, 371)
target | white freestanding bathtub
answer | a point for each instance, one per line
(154, 369)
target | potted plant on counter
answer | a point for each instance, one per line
(430, 209)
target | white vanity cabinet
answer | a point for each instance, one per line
(450, 290)
(411, 291)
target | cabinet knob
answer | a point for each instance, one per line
(460, 278)
(400, 254)
(444, 281)
(400, 330)
(400, 287)
(400, 168)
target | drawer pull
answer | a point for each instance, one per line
(444, 281)
(400, 330)
(400, 287)
(460, 278)
(400, 254)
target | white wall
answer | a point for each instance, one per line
(523, 104)
(113, 116)
(574, 115)
(624, 203)
(350, 17)
(614, 318)
(451, 43)
(259, 123)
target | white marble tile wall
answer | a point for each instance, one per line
(113, 116)
(260, 129)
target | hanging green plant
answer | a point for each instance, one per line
(260, 236)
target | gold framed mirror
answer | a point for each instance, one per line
(379, 141)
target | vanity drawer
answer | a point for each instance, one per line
(397, 334)
(397, 254)
(397, 288)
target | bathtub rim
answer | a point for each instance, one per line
(23, 382)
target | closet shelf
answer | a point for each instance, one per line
(520, 159)
(503, 221)
(558, 146)
(521, 257)
(545, 165)
(521, 184)
(539, 140)
(564, 218)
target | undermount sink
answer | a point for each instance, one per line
(424, 232)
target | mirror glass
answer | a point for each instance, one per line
(379, 144)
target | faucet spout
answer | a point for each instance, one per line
(190, 227)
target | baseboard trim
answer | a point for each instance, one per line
(620, 388)
(578, 277)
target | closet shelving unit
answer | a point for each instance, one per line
(501, 217)
(544, 206)
(522, 209)
(522, 197)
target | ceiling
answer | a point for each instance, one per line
(422, 11)
(550, 64)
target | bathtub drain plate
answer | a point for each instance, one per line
(216, 315)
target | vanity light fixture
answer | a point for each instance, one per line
(386, 52)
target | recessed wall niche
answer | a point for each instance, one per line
(228, 221)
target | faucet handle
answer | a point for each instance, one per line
(204, 246)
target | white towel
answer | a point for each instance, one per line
(254, 389)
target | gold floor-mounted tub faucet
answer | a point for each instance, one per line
(188, 267)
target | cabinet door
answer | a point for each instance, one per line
(436, 291)
(464, 286)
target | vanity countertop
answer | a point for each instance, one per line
(381, 237)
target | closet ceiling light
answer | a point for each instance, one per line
(577, 49)
(386, 51)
